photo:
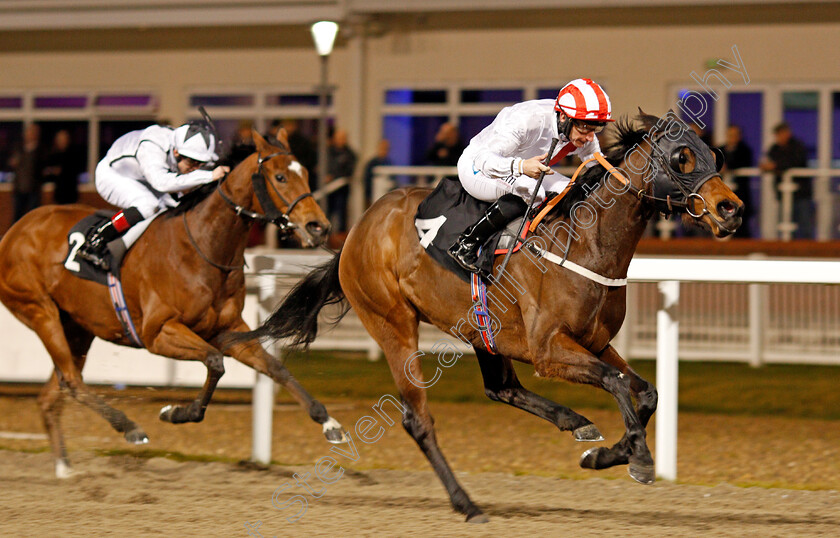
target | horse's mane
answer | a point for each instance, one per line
(192, 199)
(621, 138)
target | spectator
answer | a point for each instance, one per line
(28, 165)
(788, 152)
(62, 168)
(738, 154)
(447, 148)
(242, 146)
(380, 159)
(341, 164)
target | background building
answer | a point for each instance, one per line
(400, 69)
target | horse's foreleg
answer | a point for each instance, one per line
(253, 355)
(646, 400)
(502, 385)
(177, 341)
(396, 333)
(568, 360)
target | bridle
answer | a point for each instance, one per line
(260, 183)
(703, 172)
(272, 214)
(687, 197)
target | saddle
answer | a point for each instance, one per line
(77, 237)
(449, 210)
(114, 254)
(440, 219)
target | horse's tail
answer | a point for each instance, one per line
(297, 315)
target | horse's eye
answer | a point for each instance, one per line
(280, 178)
(681, 160)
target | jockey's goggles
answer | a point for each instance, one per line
(586, 127)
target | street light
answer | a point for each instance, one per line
(323, 32)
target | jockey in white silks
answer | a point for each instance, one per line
(503, 162)
(140, 171)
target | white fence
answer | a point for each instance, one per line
(722, 320)
(667, 274)
(775, 292)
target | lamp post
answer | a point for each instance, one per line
(323, 33)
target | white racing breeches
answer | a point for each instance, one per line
(124, 192)
(490, 189)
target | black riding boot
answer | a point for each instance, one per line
(495, 218)
(97, 243)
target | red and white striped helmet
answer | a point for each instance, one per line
(582, 99)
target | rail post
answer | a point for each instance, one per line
(667, 376)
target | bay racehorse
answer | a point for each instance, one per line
(183, 281)
(557, 320)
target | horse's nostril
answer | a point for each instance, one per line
(728, 209)
(315, 229)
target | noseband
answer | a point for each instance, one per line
(272, 214)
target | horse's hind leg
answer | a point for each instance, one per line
(502, 385)
(51, 398)
(45, 320)
(646, 400)
(253, 355)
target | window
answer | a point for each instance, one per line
(61, 101)
(835, 130)
(411, 117)
(746, 110)
(81, 113)
(10, 103)
(11, 133)
(698, 110)
(800, 111)
(296, 108)
(221, 100)
(492, 96)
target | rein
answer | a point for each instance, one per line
(272, 214)
(204, 257)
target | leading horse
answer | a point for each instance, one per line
(557, 320)
(183, 281)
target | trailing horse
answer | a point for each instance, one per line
(183, 283)
(558, 320)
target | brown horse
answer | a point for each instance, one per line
(557, 320)
(183, 281)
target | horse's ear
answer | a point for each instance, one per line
(260, 142)
(647, 120)
(283, 136)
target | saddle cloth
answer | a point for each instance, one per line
(442, 217)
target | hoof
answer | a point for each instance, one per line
(137, 437)
(588, 434)
(478, 518)
(63, 470)
(166, 413)
(589, 459)
(334, 432)
(643, 473)
(178, 414)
